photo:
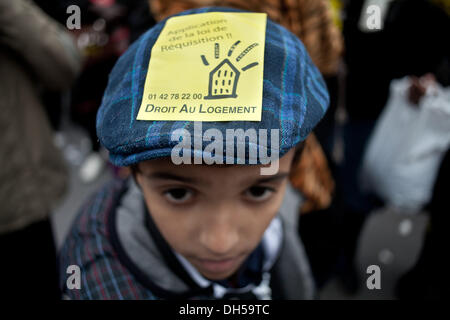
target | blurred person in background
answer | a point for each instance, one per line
(107, 28)
(35, 53)
(411, 41)
(427, 278)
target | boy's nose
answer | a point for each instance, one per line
(220, 234)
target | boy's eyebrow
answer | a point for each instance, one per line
(278, 176)
(171, 176)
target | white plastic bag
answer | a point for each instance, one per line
(406, 147)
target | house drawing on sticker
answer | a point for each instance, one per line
(223, 81)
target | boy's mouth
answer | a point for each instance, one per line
(218, 266)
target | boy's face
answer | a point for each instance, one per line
(213, 215)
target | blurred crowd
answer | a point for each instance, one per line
(383, 143)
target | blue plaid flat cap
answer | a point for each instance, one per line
(295, 98)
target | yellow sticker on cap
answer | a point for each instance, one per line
(207, 67)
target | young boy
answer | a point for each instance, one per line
(193, 107)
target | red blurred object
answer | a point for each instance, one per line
(103, 3)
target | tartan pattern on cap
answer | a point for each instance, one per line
(295, 98)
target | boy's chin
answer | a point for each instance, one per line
(218, 276)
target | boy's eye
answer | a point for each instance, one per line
(178, 195)
(259, 193)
